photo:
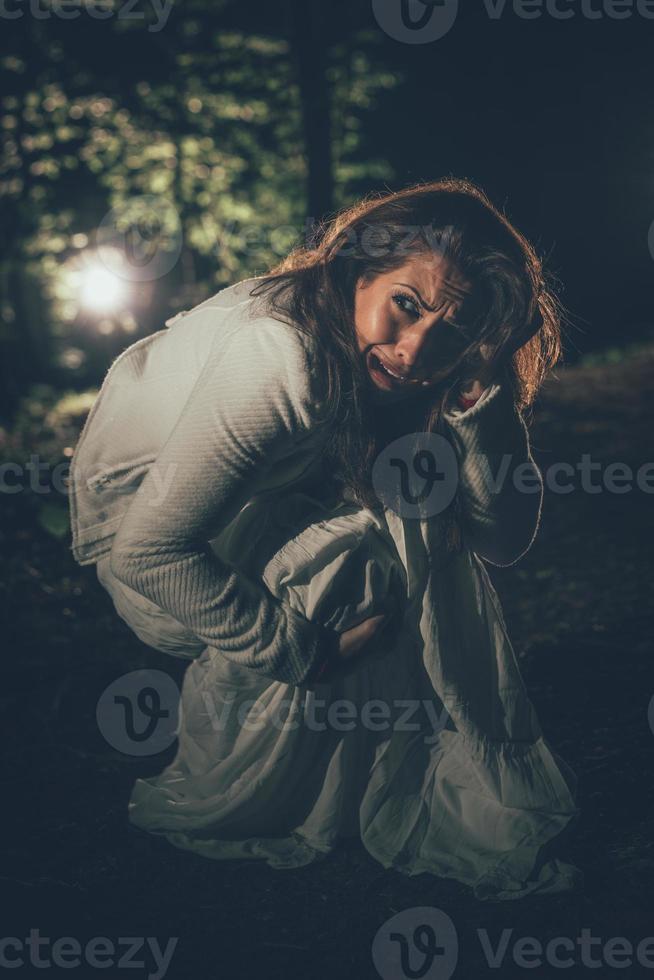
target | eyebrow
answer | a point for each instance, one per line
(451, 291)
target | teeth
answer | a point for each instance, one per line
(386, 370)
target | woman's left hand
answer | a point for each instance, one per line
(489, 366)
(477, 377)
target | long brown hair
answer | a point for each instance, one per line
(313, 288)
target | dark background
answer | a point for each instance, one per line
(552, 117)
(303, 107)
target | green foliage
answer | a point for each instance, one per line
(616, 355)
(41, 442)
(48, 423)
(53, 517)
(210, 125)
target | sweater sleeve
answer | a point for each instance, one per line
(250, 406)
(500, 485)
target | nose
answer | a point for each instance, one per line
(413, 344)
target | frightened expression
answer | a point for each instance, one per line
(406, 325)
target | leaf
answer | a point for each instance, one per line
(54, 519)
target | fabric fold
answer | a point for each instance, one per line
(430, 750)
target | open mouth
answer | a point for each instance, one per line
(384, 377)
(381, 373)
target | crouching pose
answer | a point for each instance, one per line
(295, 486)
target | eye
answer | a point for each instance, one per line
(407, 304)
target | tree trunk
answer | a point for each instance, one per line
(309, 49)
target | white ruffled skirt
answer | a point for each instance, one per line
(429, 750)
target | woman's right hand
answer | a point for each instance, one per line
(355, 643)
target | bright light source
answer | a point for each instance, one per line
(101, 290)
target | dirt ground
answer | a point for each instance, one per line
(580, 614)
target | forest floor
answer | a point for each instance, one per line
(580, 612)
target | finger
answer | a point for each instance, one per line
(362, 634)
(372, 624)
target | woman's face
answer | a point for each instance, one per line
(405, 325)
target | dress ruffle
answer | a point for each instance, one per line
(429, 751)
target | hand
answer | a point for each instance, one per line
(473, 385)
(354, 644)
(489, 364)
(354, 640)
(478, 375)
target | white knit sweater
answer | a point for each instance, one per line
(253, 403)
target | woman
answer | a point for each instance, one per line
(241, 524)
